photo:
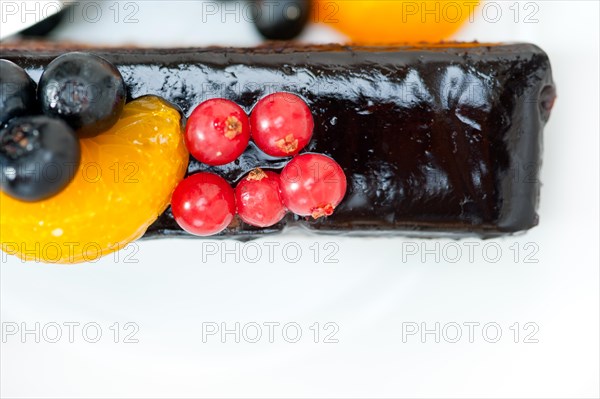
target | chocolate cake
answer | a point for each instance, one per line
(442, 139)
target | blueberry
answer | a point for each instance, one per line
(84, 90)
(38, 157)
(281, 20)
(46, 25)
(17, 92)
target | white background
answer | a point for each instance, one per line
(370, 294)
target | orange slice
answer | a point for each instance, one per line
(395, 21)
(124, 182)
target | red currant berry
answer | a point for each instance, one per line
(217, 132)
(203, 204)
(281, 124)
(312, 185)
(258, 198)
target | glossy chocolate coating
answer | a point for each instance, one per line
(434, 139)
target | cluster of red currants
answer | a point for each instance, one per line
(281, 124)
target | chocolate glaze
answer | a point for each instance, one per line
(439, 139)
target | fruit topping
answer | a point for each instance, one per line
(281, 20)
(49, 23)
(17, 92)
(124, 181)
(203, 204)
(258, 198)
(83, 89)
(217, 132)
(38, 157)
(312, 185)
(396, 21)
(281, 124)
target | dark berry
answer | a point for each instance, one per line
(312, 185)
(282, 19)
(203, 204)
(217, 132)
(17, 92)
(281, 124)
(258, 198)
(84, 90)
(38, 157)
(46, 25)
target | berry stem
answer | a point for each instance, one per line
(233, 127)
(320, 211)
(288, 144)
(256, 175)
(19, 141)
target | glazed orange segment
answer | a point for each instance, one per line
(124, 182)
(396, 21)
